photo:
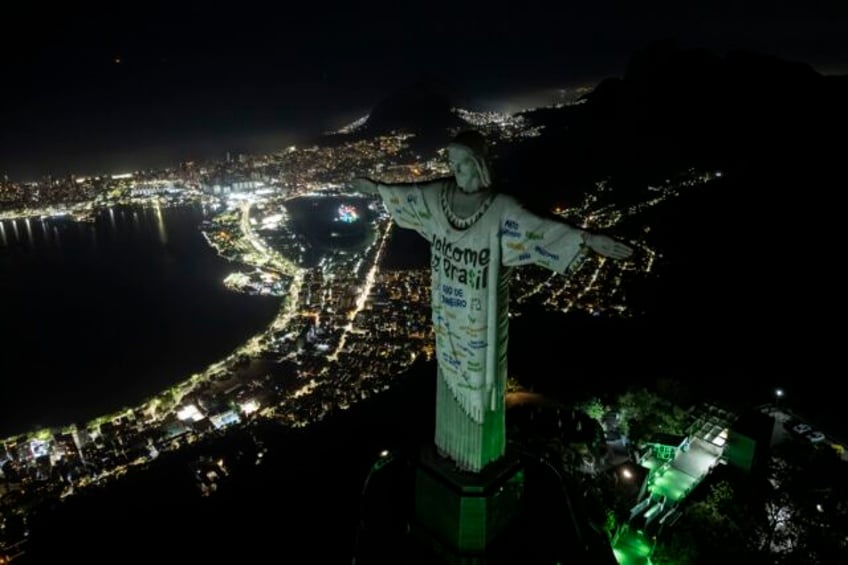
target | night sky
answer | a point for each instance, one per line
(89, 90)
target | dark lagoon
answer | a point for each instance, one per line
(331, 225)
(99, 316)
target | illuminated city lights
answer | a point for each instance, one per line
(340, 313)
(189, 413)
(249, 407)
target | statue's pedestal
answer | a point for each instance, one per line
(461, 514)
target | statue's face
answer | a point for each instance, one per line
(461, 163)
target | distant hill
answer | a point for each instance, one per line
(678, 107)
(418, 107)
(422, 108)
(742, 109)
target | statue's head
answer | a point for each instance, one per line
(467, 158)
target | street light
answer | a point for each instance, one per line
(778, 394)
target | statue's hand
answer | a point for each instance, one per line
(607, 246)
(362, 184)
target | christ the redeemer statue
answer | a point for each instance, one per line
(476, 235)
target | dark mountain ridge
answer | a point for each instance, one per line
(744, 112)
(422, 108)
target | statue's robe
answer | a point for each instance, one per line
(470, 304)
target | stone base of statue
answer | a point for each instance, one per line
(460, 515)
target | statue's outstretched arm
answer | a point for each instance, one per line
(527, 238)
(606, 246)
(366, 185)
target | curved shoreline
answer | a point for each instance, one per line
(165, 403)
(183, 383)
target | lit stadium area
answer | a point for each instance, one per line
(347, 214)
